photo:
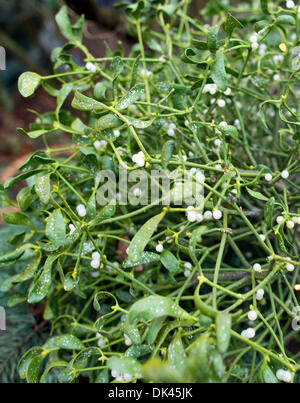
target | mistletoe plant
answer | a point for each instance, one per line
(165, 292)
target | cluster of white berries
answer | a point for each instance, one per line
(283, 375)
(100, 143)
(95, 262)
(159, 248)
(101, 342)
(259, 294)
(139, 159)
(127, 340)
(81, 210)
(171, 129)
(211, 88)
(91, 67)
(290, 223)
(193, 215)
(145, 73)
(188, 267)
(248, 333)
(200, 177)
(253, 40)
(290, 4)
(120, 377)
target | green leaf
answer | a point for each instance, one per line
(223, 327)
(199, 359)
(4, 197)
(25, 360)
(99, 91)
(64, 23)
(64, 341)
(12, 181)
(167, 152)
(169, 261)
(28, 82)
(42, 188)
(142, 237)
(25, 198)
(155, 328)
(105, 213)
(54, 364)
(133, 95)
(125, 365)
(29, 271)
(176, 354)
(62, 96)
(139, 124)
(69, 282)
(99, 299)
(34, 368)
(17, 219)
(265, 374)
(56, 228)
(84, 103)
(218, 73)
(285, 20)
(108, 121)
(229, 130)
(200, 44)
(146, 258)
(14, 255)
(230, 24)
(154, 307)
(268, 211)
(212, 37)
(257, 195)
(138, 351)
(41, 287)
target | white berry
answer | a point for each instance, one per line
(279, 219)
(252, 315)
(159, 248)
(290, 224)
(81, 210)
(285, 174)
(268, 177)
(257, 267)
(217, 214)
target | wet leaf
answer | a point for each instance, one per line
(64, 341)
(42, 285)
(223, 327)
(142, 237)
(218, 73)
(56, 228)
(133, 95)
(154, 307)
(28, 82)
